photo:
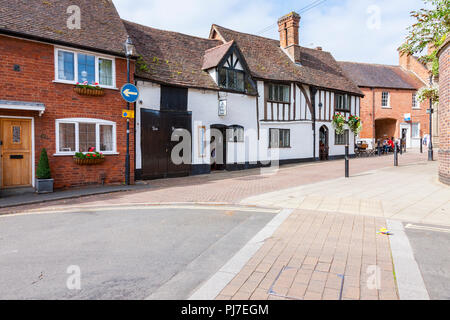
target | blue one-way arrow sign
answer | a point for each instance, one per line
(130, 93)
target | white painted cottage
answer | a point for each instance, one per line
(273, 101)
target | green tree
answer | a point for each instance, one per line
(43, 168)
(431, 28)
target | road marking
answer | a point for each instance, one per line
(434, 229)
(409, 278)
(212, 288)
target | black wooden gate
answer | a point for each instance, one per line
(156, 145)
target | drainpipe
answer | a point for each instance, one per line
(313, 92)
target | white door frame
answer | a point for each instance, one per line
(408, 135)
(32, 145)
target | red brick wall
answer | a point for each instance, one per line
(444, 115)
(413, 64)
(401, 103)
(34, 83)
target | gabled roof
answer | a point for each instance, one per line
(46, 20)
(170, 57)
(215, 55)
(381, 76)
(268, 61)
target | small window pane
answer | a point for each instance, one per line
(86, 68)
(274, 138)
(285, 94)
(240, 81)
(223, 78)
(16, 134)
(67, 137)
(342, 139)
(285, 138)
(385, 99)
(105, 72)
(106, 138)
(415, 131)
(66, 66)
(87, 136)
(231, 79)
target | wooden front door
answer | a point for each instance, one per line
(15, 146)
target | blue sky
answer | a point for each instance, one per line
(352, 30)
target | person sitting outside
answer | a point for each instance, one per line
(391, 144)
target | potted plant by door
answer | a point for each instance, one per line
(44, 182)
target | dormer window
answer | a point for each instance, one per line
(232, 79)
(230, 71)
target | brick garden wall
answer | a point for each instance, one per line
(401, 103)
(444, 114)
(34, 83)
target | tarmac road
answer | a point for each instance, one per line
(431, 245)
(132, 253)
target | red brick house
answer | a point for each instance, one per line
(45, 49)
(389, 108)
(423, 72)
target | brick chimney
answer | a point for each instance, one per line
(288, 26)
(404, 60)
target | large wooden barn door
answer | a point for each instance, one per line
(156, 145)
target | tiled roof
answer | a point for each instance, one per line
(171, 57)
(267, 60)
(213, 56)
(381, 76)
(101, 26)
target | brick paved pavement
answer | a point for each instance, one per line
(232, 187)
(308, 255)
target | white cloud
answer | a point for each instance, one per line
(339, 26)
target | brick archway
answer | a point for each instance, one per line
(386, 127)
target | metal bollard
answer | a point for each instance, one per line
(421, 145)
(395, 155)
(347, 164)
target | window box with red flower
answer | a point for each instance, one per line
(89, 158)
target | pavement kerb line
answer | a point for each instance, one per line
(410, 283)
(149, 206)
(212, 288)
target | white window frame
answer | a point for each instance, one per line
(388, 106)
(415, 103)
(77, 121)
(75, 61)
(418, 130)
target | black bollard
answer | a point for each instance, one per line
(395, 155)
(421, 145)
(347, 164)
